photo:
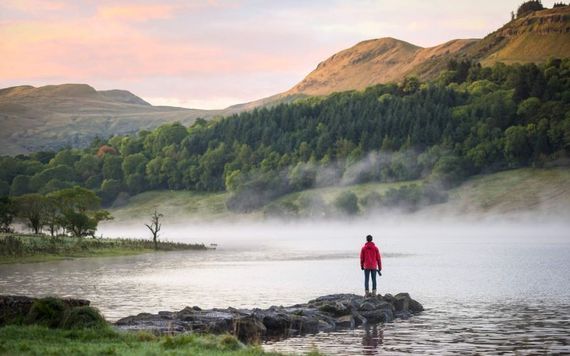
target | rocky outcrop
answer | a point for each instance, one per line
(16, 308)
(328, 313)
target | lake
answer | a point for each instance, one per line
(487, 287)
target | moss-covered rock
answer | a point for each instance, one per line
(83, 317)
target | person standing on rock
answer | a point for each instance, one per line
(370, 263)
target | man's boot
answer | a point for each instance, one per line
(366, 294)
(373, 292)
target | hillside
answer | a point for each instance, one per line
(56, 116)
(509, 194)
(532, 38)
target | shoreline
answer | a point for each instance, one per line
(26, 248)
(37, 325)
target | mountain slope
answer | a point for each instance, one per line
(532, 38)
(54, 116)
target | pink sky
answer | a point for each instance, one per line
(213, 53)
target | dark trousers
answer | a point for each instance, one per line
(367, 273)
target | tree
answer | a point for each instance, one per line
(20, 185)
(110, 189)
(53, 214)
(528, 7)
(112, 167)
(4, 188)
(517, 147)
(32, 209)
(80, 211)
(7, 214)
(347, 202)
(89, 165)
(155, 227)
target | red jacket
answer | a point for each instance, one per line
(370, 257)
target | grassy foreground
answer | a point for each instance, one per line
(40, 340)
(18, 248)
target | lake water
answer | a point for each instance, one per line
(487, 287)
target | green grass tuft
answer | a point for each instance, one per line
(83, 317)
(47, 311)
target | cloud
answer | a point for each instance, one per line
(33, 5)
(136, 12)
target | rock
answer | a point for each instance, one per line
(402, 302)
(15, 308)
(324, 314)
(346, 321)
(415, 306)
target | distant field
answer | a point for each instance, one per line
(537, 191)
(543, 191)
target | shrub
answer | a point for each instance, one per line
(528, 7)
(46, 311)
(347, 202)
(83, 317)
(372, 200)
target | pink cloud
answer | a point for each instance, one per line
(33, 5)
(136, 12)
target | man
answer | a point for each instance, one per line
(370, 263)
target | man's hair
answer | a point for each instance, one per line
(369, 238)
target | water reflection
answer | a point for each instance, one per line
(372, 339)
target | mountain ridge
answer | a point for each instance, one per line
(532, 38)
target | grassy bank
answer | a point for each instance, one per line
(40, 340)
(17, 248)
(545, 191)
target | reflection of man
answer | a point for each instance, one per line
(372, 339)
(370, 263)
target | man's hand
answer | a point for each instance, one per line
(379, 272)
(362, 268)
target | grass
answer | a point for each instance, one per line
(515, 190)
(526, 189)
(172, 204)
(18, 248)
(329, 194)
(40, 340)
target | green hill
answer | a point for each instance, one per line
(509, 193)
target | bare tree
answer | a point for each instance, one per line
(154, 227)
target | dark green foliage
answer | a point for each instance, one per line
(4, 188)
(82, 317)
(347, 203)
(32, 208)
(558, 4)
(46, 311)
(8, 212)
(20, 185)
(528, 7)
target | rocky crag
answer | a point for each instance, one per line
(324, 314)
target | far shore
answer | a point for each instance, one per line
(27, 248)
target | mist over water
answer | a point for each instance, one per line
(485, 284)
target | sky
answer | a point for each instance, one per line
(210, 54)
